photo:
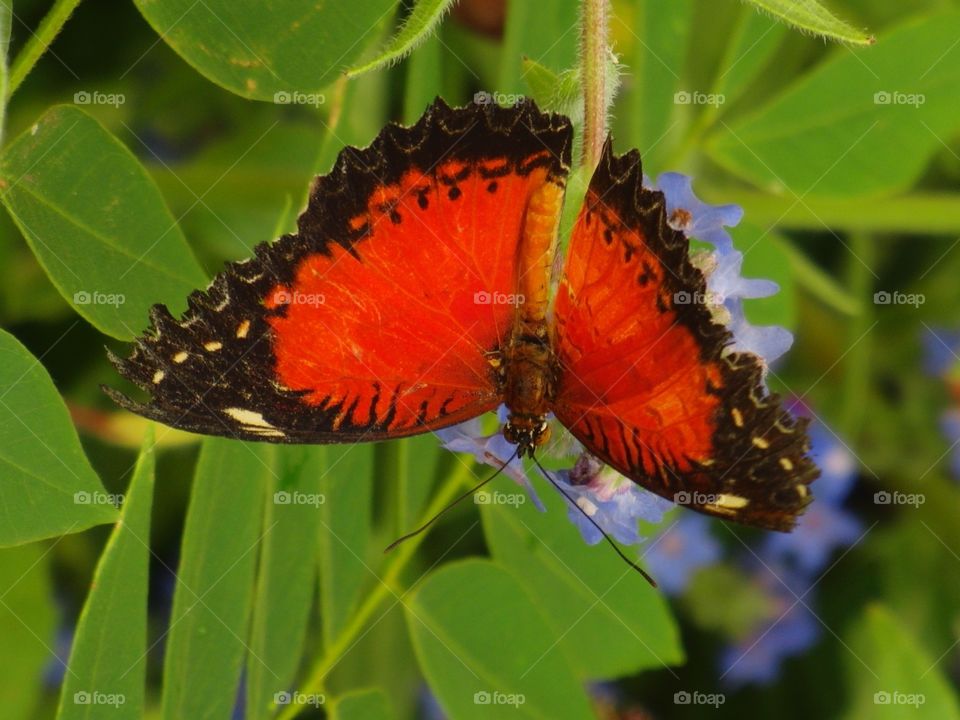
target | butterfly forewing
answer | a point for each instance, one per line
(374, 320)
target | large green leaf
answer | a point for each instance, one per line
(345, 527)
(362, 705)
(28, 620)
(108, 661)
(855, 125)
(286, 574)
(752, 44)
(606, 619)
(47, 486)
(486, 650)
(656, 75)
(207, 641)
(96, 222)
(892, 676)
(258, 49)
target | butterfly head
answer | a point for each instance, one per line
(527, 431)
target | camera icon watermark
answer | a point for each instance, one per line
(698, 298)
(82, 497)
(94, 697)
(87, 97)
(86, 297)
(687, 497)
(895, 97)
(482, 297)
(695, 97)
(299, 98)
(284, 497)
(885, 497)
(299, 698)
(895, 697)
(685, 697)
(486, 497)
(498, 98)
(885, 297)
(295, 297)
(485, 697)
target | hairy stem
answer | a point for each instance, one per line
(39, 41)
(594, 22)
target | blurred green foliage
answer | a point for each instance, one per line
(153, 141)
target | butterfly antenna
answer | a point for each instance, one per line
(593, 522)
(467, 494)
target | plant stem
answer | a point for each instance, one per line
(594, 21)
(857, 365)
(386, 587)
(51, 24)
(6, 18)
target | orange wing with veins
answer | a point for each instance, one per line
(375, 319)
(648, 384)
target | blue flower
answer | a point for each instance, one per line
(680, 550)
(941, 348)
(726, 288)
(492, 450)
(788, 629)
(614, 502)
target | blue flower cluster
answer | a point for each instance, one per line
(787, 567)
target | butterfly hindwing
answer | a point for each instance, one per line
(373, 320)
(648, 383)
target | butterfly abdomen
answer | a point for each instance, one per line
(529, 386)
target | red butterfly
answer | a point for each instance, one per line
(415, 295)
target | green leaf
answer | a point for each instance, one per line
(421, 21)
(812, 17)
(345, 528)
(486, 650)
(891, 676)
(657, 71)
(286, 574)
(424, 79)
(258, 49)
(816, 281)
(853, 126)
(108, 661)
(48, 487)
(416, 477)
(607, 619)
(362, 705)
(555, 92)
(765, 256)
(207, 640)
(545, 32)
(753, 43)
(96, 222)
(28, 621)
(244, 179)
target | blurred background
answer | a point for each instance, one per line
(846, 162)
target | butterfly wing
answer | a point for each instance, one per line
(373, 320)
(648, 384)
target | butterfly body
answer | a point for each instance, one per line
(416, 294)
